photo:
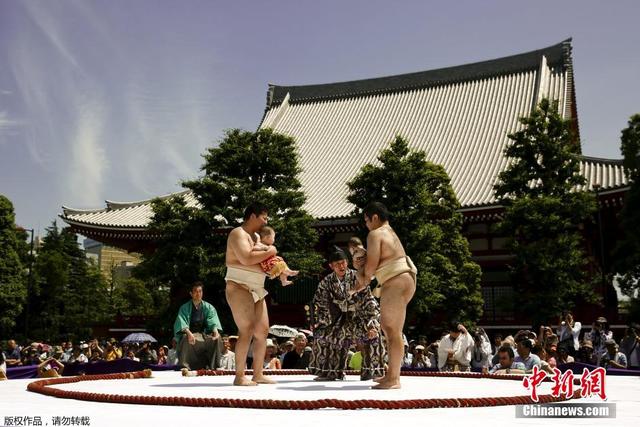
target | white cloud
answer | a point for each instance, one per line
(88, 160)
(50, 27)
(6, 124)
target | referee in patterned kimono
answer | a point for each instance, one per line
(342, 319)
(196, 332)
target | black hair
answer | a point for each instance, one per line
(254, 208)
(337, 254)
(376, 208)
(197, 284)
(453, 326)
(507, 349)
(527, 342)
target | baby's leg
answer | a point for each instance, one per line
(284, 279)
(289, 272)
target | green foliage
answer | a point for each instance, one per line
(245, 167)
(627, 252)
(630, 147)
(13, 290)
(69, 293)
(543, 217)
(132, 298)
(425, 216)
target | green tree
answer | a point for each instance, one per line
(244, 167)
(132, 298)
(13, 290)
(424, 214)
(69, 293)
(627, 252)
(543, 216)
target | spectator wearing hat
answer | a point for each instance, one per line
(111, 350)
(57, 352)
(420, 359)
(297, 358)
(51, 367)
(228, 357)
(270, 359)
(585, 353)
(613, 358)
(563, 354)
(598, 335)
(284, 349)
(525, 356)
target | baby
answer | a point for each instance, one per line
(356, 249)
(274, 266)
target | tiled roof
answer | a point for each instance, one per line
(459, 116)
(557, 55)
(122, 215)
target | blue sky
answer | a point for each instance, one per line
(115, 99)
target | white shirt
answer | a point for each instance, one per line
(228, 360)
(462, 348)
(566, 331)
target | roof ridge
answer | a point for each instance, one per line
(74, 211)
(557, 54)
(602, 160)
(123, 205)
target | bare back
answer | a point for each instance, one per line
(390, 246)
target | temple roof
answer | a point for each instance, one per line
(558, 55)
(459, 116)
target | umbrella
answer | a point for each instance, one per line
(283, 331)
(306, 332)
(139, 337)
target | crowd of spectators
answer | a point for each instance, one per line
(456, 350)
(462, 350)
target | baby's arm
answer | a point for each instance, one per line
(258, 245)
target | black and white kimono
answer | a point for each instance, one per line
(341, 321)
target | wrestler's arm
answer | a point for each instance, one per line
(373, 258)
(244, 250)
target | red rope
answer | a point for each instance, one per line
(43, 387)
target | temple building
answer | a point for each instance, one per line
(459, 116)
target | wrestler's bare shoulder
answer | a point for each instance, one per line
(377, 234)
(238, 231)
